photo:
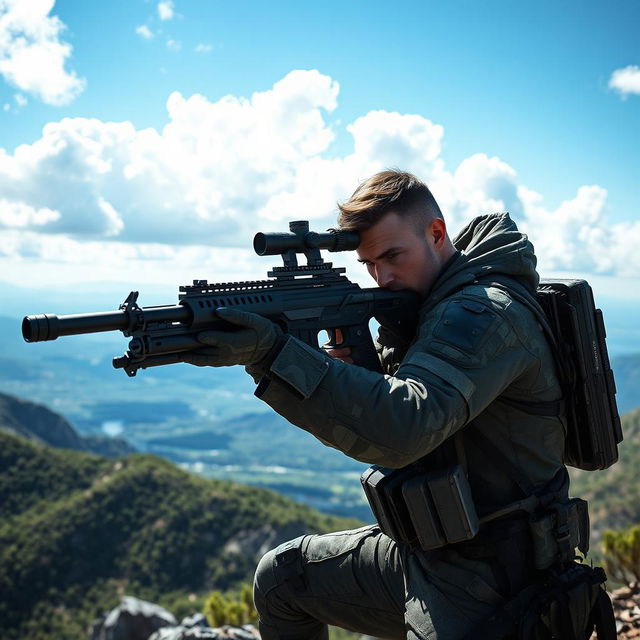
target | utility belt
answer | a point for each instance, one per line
(429, 510)
(429, 503)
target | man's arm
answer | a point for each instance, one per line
(466, 354)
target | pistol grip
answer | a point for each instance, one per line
(360, 342)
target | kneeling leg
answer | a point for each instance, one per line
(350, 579)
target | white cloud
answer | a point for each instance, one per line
(205, 175)
(174, 45)
(626, 81)
(220, 171)
(41, 259)
(166, 10)
(203, 48)
(144, 32)
(32, 55)
(21, 216)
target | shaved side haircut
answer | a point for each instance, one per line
(387, 191)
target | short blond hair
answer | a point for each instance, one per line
(386, 191)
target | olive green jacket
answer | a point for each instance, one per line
(475, 349)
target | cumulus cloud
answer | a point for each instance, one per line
(213, 168)
(59, 258)
(166, 10)
(144, 32)
(19, 215)
(221, 170)
(32, 54)
(626, 81)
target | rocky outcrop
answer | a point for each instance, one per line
(626, 606)
(136, 619)
(132, 619)
(247, 632)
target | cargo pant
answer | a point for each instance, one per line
(363, 581)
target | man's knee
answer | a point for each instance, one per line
(264, 580)
(277, 567)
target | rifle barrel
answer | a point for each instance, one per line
(42, 327)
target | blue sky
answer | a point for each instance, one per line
(496, 104)
(524, 81)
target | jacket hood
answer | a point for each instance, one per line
(490, 245)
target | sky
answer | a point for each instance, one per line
(144, 142)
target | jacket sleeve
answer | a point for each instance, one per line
(465, 354)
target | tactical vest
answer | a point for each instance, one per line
(429, 508)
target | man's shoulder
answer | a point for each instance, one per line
(492, 295)
(481, 307)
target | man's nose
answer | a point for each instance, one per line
(384, 277)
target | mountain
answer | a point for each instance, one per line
(38, 423)
(627, 374)
(614, 493)
(77, 530)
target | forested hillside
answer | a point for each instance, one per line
(77, 530)
(614, 494)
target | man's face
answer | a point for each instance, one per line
(398, 256)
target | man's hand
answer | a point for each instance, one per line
(339, 353)
(248, 341)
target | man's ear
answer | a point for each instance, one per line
(437, 232)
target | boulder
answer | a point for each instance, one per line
(133, 619)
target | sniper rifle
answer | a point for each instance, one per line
(302, 299)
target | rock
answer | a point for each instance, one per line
(247, 632)
(196, 620)
(626, 608)
(182, 633)
(133, 619)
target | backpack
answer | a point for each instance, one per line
(574, 327)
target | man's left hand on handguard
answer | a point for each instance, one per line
(248, 341)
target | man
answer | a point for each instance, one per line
(478, 361)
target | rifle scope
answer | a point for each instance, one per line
(301, 240)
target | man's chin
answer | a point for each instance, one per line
(402, 287)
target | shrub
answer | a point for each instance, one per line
(622, 554)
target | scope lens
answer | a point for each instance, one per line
(259, 243)
(27, 334)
